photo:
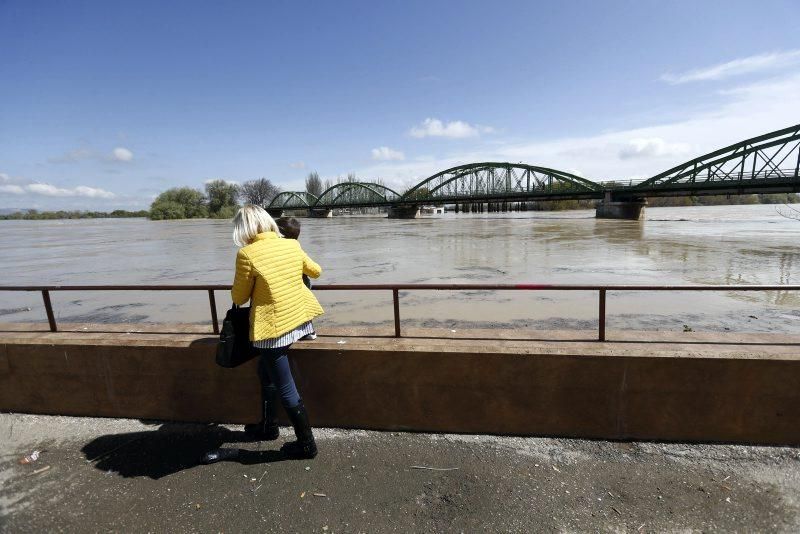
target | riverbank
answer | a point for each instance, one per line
(122, 475)
(35, 215)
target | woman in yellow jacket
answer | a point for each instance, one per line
(269, 273)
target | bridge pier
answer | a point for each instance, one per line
(632, 210)
(320, 213)
(403, 212)
(275, 213)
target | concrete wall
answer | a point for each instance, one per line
(632, 211)
(403, 212)
(320, 213)
(382, 384)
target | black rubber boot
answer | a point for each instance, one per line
(304, 447)
(267, 428)
(219, 455)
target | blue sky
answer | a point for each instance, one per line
(105, 104)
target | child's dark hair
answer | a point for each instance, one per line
(289, 227)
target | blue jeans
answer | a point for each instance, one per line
(273, 368)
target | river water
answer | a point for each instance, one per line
(690, 245)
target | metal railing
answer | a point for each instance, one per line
(602, 290)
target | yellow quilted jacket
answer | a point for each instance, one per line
(269, 274)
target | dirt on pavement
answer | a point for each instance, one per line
(113, 475)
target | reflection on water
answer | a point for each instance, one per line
(700, 245)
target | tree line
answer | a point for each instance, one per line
(36, 215)
(719, 200)
(220, 199)
(663, 202)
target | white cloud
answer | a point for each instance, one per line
(122, 154)
(92, 192)
(746, 65)
(652, 147)
(384, 153)
(73, 156)
(12, 189)
(298, 165)
(453, 130)
(737, 114)
(49, 190)
(118, 155)
(13, 186)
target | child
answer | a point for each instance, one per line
(290, 228)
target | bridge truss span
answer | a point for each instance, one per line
(292, 200)
(502, 181)
(356, 194)
(768, 161)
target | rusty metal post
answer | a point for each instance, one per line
(48, 307)
(602, 316)
(396, 299)
(213, 302)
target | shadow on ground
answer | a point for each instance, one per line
(168, 449)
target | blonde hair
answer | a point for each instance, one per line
(250, 221)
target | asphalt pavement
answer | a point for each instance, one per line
(114, 475)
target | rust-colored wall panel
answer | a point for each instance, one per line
(385, 386)
(740, 399)
(495, 393)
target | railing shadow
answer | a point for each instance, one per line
(580, 336)
(168, 449)
(589, 337)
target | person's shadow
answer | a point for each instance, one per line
(170, 448)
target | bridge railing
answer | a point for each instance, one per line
(602, 291)
(719, 176)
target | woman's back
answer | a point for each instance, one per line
(269, 273)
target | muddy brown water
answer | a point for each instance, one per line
(698, 245)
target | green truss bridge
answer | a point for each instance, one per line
(769, 163)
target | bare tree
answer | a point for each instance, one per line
(789, 212)
(314, 184)
(327, 184)
(259, 192)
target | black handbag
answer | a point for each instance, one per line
(234, 346)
